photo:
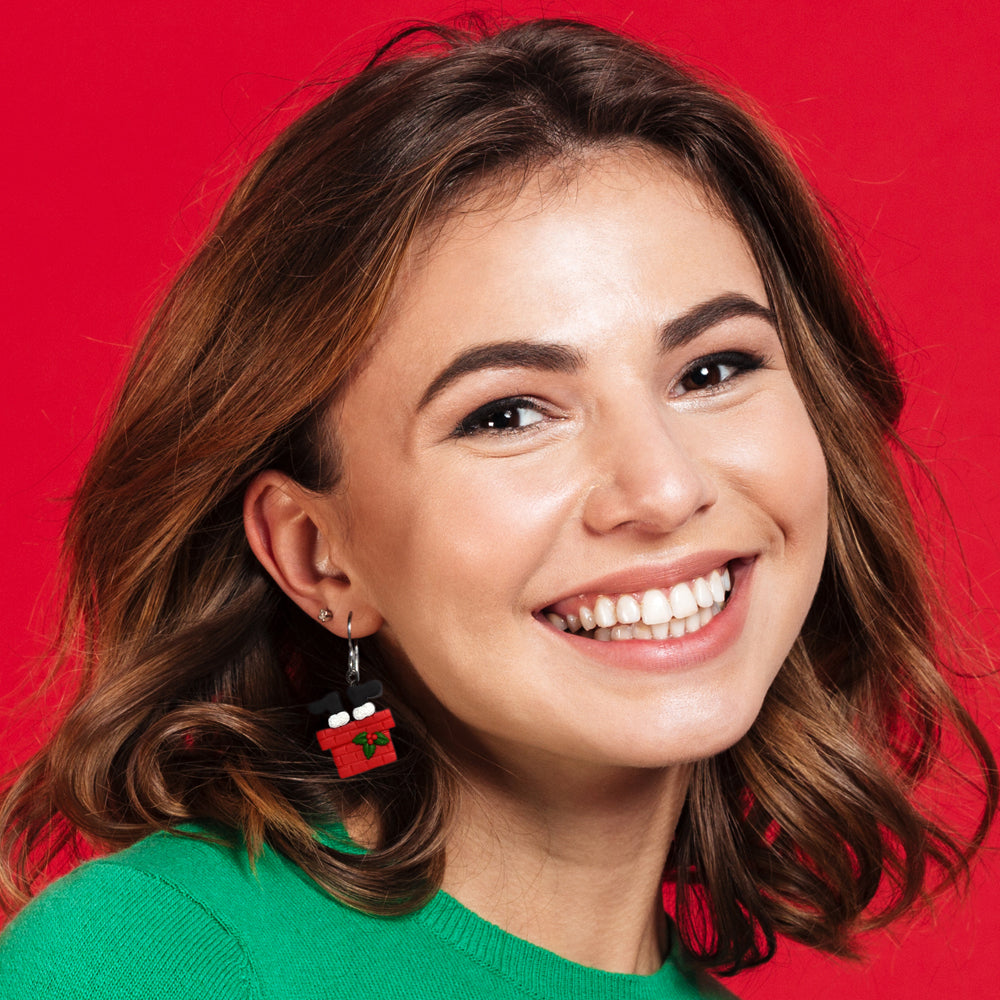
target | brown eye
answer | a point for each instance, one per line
(714, 371)
(501, 416)
(703, 376)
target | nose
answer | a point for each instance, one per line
(650, 474)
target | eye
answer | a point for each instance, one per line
(714, 370)
(501, 416)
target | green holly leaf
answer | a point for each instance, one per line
(382, 739)
(369, 749)
(361, 739)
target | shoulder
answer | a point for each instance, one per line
(705, 985)
(125, 927)
(711, 989)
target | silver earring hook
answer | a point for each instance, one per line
(353, 673)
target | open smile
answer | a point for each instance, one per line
(656, 613)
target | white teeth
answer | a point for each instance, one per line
(627, 609)
(655, 608)
(654, 614)
(682, 601)
(605, 613)
(702, 593)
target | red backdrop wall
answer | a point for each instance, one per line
(121, 122)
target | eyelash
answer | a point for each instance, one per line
(475, 423)
(740, 361)
(478, 420)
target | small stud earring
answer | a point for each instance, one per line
(325, 614)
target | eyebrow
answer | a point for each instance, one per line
(562, 358)
(505, 354)
(684, 328)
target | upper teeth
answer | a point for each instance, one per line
(656, 607)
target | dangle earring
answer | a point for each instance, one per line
(359, 739)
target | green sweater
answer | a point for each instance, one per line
(177, 917)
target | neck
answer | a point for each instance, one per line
(570, 860)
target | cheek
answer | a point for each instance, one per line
(445, 564)
(785, 484)
(776, 462)
(802, 481)
(464, 536)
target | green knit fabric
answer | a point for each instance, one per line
(175, 917)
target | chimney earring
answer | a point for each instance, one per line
(357, 735)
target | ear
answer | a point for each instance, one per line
(296, 536)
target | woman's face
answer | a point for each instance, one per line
(579, 398)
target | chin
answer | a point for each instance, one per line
(696, 736)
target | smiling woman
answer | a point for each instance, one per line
(574, 468)
(524, 363)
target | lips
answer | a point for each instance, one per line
(669, 611)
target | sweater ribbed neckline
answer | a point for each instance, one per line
(537, 971)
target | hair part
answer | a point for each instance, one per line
(195, 668)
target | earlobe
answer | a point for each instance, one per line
(291, 539)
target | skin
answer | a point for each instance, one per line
(450, 545)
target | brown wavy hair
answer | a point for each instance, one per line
(194, 668)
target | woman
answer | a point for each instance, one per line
(526, 365)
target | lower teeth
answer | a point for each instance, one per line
(673, 629)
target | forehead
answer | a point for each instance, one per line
(573, 246)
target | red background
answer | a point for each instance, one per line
(122, 122)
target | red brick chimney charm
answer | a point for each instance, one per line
(358, 737)
(360, 744)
